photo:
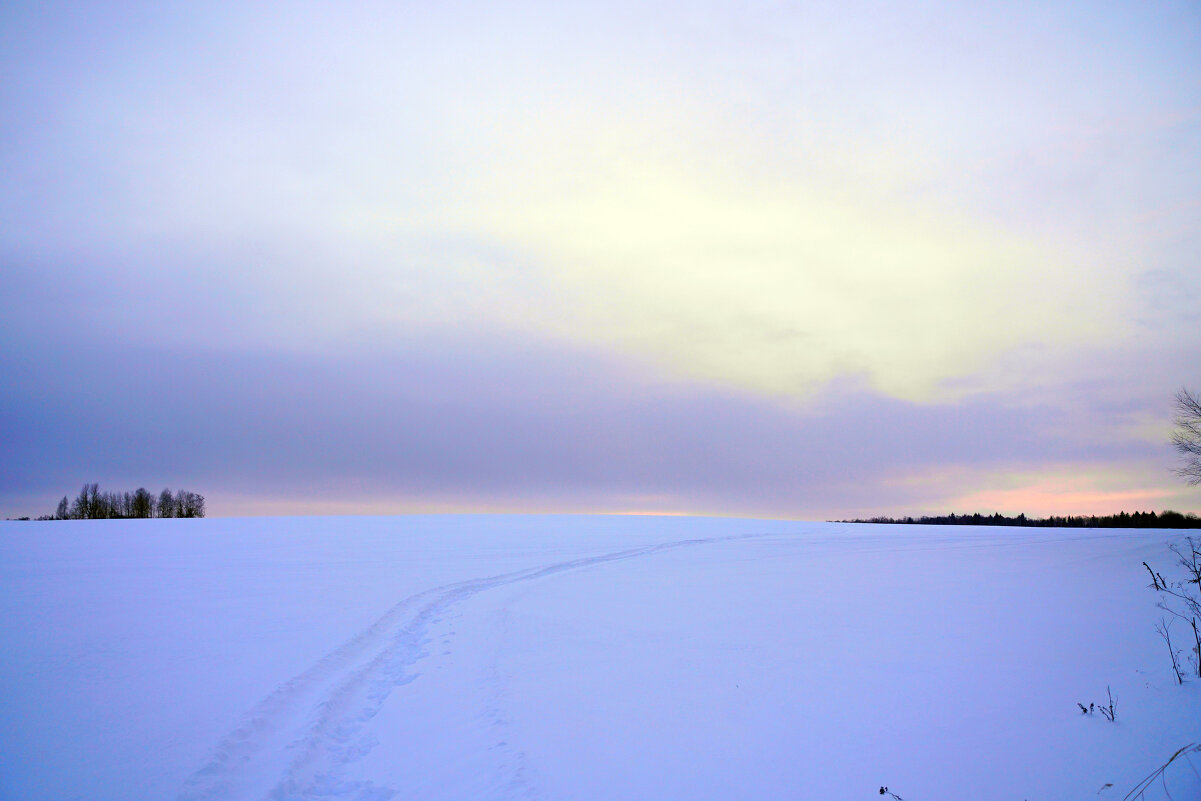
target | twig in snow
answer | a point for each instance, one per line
(1155, 585)
(1107, 711)
(1164, 627)
(1141, 788)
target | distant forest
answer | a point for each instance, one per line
(92, 504)
(1168, 519)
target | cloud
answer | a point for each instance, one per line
(511, 424)
(782, 289)
(611, 257)
(832, 201)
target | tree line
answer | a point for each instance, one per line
(92, 504)
(1167, 519)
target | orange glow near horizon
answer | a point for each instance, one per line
(1066, 489)
(1052, 498)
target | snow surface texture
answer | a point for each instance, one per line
(507, 657)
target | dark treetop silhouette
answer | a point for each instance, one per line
(92, 504)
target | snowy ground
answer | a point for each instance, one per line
(494, 657)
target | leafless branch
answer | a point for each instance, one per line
(1187, 436)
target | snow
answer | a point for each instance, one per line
(582, 657)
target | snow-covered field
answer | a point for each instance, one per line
(508, 657)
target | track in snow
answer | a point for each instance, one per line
(295, 743)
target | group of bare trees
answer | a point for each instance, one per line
(92, 504)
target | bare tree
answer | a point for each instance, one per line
(166, 504)
(95, 507)
(142, 504)
(64, 509)
(189, 504)
(1187, 436)
(86, 506)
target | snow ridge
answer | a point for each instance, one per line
(295, 743)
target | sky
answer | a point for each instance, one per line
(764, 259)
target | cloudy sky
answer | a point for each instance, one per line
(770, 259)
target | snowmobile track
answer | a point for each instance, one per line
(294, 743)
